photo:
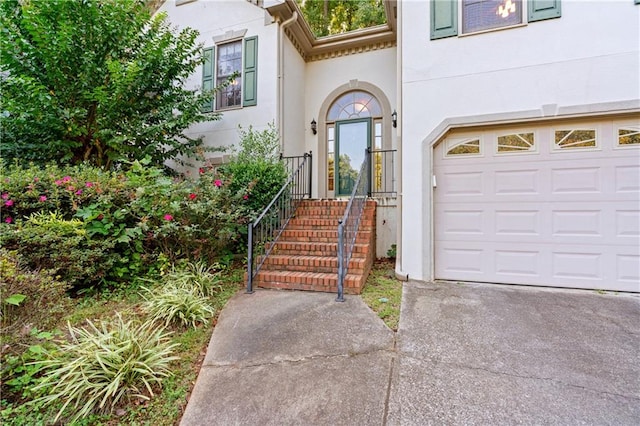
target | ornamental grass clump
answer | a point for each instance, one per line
(177, 304)
(103, 365)
(196, 276)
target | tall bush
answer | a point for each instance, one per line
(97, 81)
(255, 172)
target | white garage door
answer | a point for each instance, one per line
(555, 205)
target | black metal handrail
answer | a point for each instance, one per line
(267, 228)
(348, 225)
(382, 175)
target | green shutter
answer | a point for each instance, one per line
(250, 74)
(444, 18)
(543, 9)
(207, 76)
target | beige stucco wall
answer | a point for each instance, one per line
(216, 18)
(294, 122)
(588, 56)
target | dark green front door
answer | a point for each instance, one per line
(353, 137)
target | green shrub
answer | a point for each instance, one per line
(255, 173)
(131, 218)
(103, 366)
(49, 242)
(177, 304)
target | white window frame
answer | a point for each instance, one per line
(559, 127)
(617, 125)
(524, 22)
(451, 143)
(239, 78)
(536, 142)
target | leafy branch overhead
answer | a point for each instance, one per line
(329, 17)
(98, 81)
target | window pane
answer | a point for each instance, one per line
(229, 62)
(478, 15)
(377, 134)
(355, 104)
(629, 136)
(331, 131)
(468, 147)
(572, 139)
(518, 142)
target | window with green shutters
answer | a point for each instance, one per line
(233, 67)
(482, 15)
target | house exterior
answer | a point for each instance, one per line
(507, 131)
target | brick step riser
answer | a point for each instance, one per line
(316, 224)
(324, 284)
(319, 235)
(308, 287)
(359, 240)
(358, 252)
(303, 268)
(328, 213)
(279, 258)
(319, 253)
(325, 203)
(329, 266)
(310, 262)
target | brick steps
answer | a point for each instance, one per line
(303, 248)
(302, 223)
(325, 264)
(305, 256)
(320, 236)
(310, 281)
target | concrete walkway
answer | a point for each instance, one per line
(465, 354)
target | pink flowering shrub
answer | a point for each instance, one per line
(126, 220)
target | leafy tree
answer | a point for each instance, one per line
(96, 80)
(328, 17)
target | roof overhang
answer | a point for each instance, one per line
(312, 48)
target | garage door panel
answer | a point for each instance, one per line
(457, 184)
(568, 218)
(524, 263)
(627, 178)
(517, 223)
(569, 264)
(576, 180)
(627, 224)
(517, 182)
(628, 269)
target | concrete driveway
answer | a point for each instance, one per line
(491, 354)
(464, 354)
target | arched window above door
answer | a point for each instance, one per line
(356, 104)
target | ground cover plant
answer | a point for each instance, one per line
(383, 292)
(32, 395)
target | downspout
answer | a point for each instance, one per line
(400, 274)
(280, 108)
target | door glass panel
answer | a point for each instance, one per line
(331, 157)
(353, 140)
